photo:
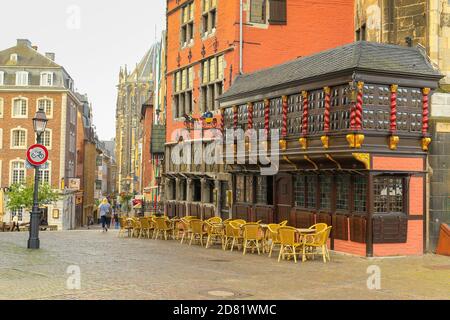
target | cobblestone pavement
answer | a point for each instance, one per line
(122, 268)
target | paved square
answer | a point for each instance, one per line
(117, 268)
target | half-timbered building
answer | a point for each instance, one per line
(353, 125)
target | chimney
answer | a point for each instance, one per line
(24, 42)
(50, 55)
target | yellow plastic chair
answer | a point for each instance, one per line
(236, 234)
(227, 234)
(288, 244)
(145, 227)
(252, 237)
(316, 241)
(319, 227)
(284, 223)
(197, 231)
(239, 221)
(214, 220)
(136, 227)
(162, 227)
(215, 233)
(185, 229)
(273, 237)
(124, 227)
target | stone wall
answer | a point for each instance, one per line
(439, 161)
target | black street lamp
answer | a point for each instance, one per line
(39, 125)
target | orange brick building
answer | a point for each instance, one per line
(211, 42)
(29, 80)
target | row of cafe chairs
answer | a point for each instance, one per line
(231, 234)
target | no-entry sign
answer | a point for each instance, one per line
(37, 154)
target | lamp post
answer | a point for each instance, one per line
(39, 125)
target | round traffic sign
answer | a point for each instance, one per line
(37, 154)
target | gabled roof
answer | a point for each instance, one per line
(361, 55)
(144, 68)
(27, 56)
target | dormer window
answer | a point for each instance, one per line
(47, 79)
(21, 78)
(13, 57)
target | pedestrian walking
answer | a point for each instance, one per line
(105, 214)
(15, 223)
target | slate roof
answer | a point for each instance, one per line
(27, 56)
(361, 55)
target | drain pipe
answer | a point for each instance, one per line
(241, 42)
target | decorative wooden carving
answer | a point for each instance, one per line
(285, 115)
(266, 115)
(325, 141)
(364, 158)
(303, 143)
(235, 117)
(393, 118)
(305, 113)
(250, 115)
(326, 119)
(425, 112)
(359, 106)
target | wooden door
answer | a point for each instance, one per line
(283, 197)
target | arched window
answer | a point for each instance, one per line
(18, 172)
(20, 108)
(18, 138)
(47, 105)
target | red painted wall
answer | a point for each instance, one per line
(312, 26)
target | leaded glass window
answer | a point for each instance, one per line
(311, 183)
(249, 189)
(360, 194)
(388, 194)
(261, 190)
(325, 192)
(240, 189)
(300, 191)
(342, 191)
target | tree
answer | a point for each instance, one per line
(21, 196)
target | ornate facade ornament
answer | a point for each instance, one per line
(425, 143)
(203, 52)
(364, 158)
(355, 140)
(283, 145)
(303, 143)
(179, 60)
(215, 44)
(325, 141)
(393, 142)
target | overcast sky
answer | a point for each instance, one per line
(91, 39)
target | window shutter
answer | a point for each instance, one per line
(278, 12)
(340, 226)
(358, 229)
(390, 229)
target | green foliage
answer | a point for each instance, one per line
(21, 196)
(125, 200)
